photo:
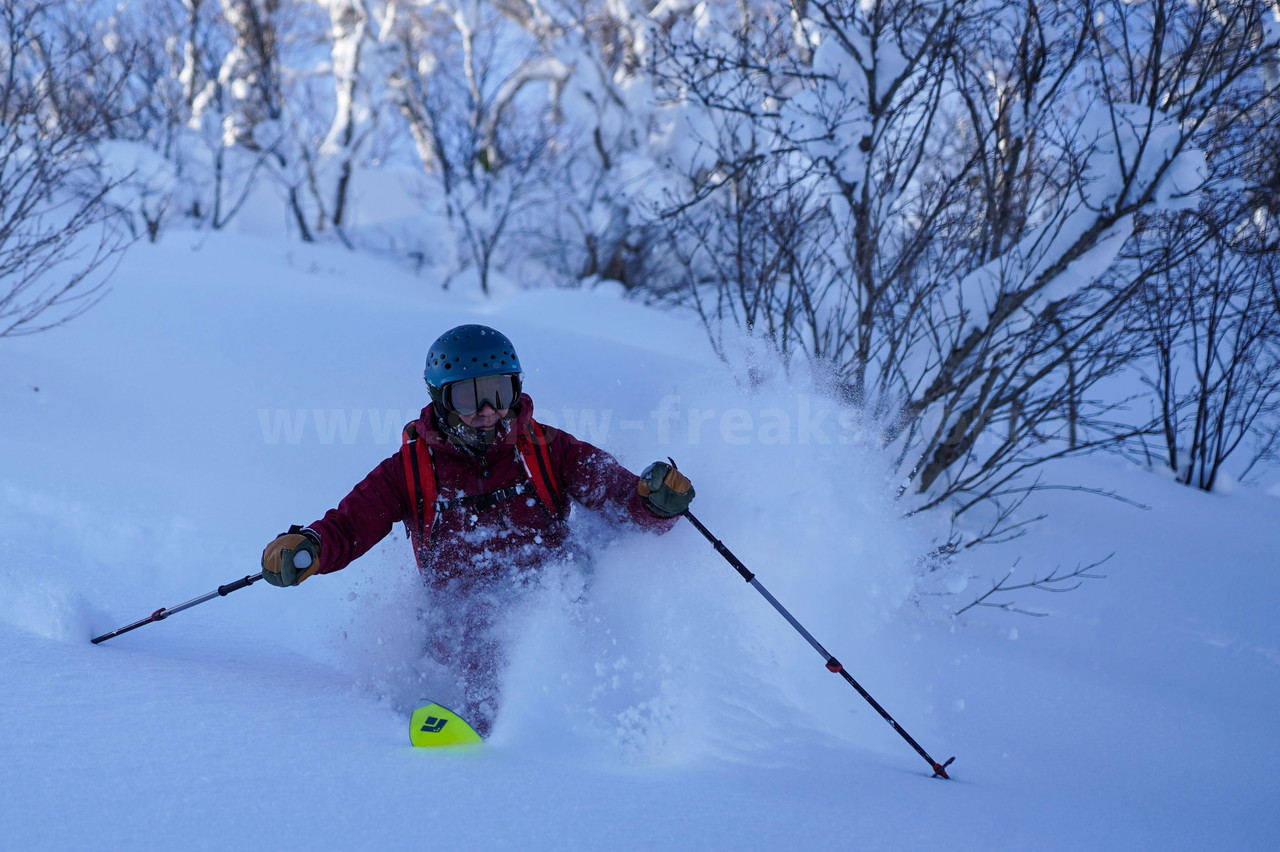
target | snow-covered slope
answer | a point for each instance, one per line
(228, 387)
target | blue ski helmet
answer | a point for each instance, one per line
(467, 352)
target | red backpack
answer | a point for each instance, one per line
(420, 476)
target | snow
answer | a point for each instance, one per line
(657, 702)
(142, 178)
(831, 118)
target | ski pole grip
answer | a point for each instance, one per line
(239, 584)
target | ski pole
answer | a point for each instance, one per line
(833, 665)
(162, 613)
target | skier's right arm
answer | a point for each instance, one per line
(363, 518)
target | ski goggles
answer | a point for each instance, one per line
(470, 395)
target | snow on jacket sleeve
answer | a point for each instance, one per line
(595, 479)
(364, 517)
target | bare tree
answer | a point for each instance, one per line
(1214, 326)
(987, 172)
(949, 207)
(57, 232)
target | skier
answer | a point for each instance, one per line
(484, 491)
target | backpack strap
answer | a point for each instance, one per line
(485, 500)
(420, 476)
(535, 455)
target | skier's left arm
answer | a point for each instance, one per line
(595, 479)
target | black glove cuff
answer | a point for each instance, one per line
(310, 534)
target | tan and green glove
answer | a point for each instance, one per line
(665, 490)
(291, 557)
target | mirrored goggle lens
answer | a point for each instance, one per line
(470, 395)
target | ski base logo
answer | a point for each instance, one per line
(434, 725)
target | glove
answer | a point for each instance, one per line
(291, 557)
(665, 490)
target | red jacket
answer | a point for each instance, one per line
(479, 542)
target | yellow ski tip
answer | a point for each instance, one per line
(436, 725)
